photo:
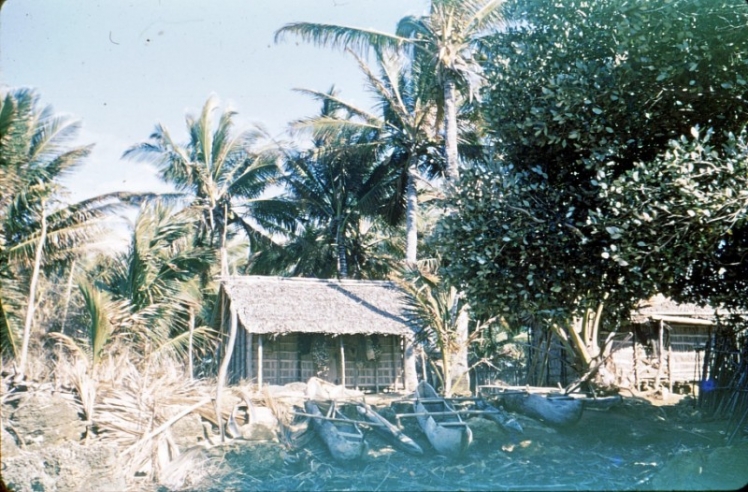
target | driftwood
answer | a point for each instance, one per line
(166, 425)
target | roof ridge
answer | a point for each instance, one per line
(269, 278)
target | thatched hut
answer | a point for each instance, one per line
(667, 343)
(348, 332)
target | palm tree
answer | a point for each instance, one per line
(151, 288)
(38, 231)
(442, 43)
(336, 185)
(445, 42)
(404, 134)
(437, 309)
(224, 174)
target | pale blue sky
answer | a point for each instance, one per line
(121, 66)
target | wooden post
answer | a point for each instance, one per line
(659, 357)
(376, 375)
(278, 372)
(396, 359)
(342, 360)
(423, 364)
(670, 366)
(259, 361)
(250, 358)
(636, 365)
(189, 347)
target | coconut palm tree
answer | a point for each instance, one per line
(436, 309)
(336, 185)
(38, 231)
(223, 173)
(404, 133)
(147, 292)
(443, 43)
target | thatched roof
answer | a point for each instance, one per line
(279, 305)
(661, 307)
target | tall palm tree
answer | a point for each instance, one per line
(223, 173)
(38, 231)
(443, 42)
(404, 133)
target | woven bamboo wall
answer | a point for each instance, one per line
(285, 360)
(681, 363)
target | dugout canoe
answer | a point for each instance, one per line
(557, 410)
(498, 415)
(599, 403)
(388, 431)
(443, 426)
(341, 435)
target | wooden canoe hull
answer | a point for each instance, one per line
(600, 403)
(344, 440)
(555, 410)
(389, 431)
(448, 434)
(506, 422)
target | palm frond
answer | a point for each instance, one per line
(484, 15)
(344, 37)
(326, 97)
(100, 309)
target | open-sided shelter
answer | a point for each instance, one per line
(348, 332)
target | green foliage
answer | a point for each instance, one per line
(335, 194)
(225, 174)
(582, 103)
(99, 307)
(435, 308)
(681, 220)
(609, 83)
(160, 278)
(512, 246)
(35, 153)
(443, 42)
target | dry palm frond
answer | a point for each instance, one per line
(188, 470)
(137, 412)
(281, 412)
(86, 387)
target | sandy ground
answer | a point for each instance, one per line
(642, 444)
(639, 445)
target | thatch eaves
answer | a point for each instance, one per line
(281, 305)
(661, 307)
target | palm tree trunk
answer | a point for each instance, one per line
(446, 369)
(68, 294)
(32, 292)
(411, 218)
(228, 350)
(450, 128)
(342, 263)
